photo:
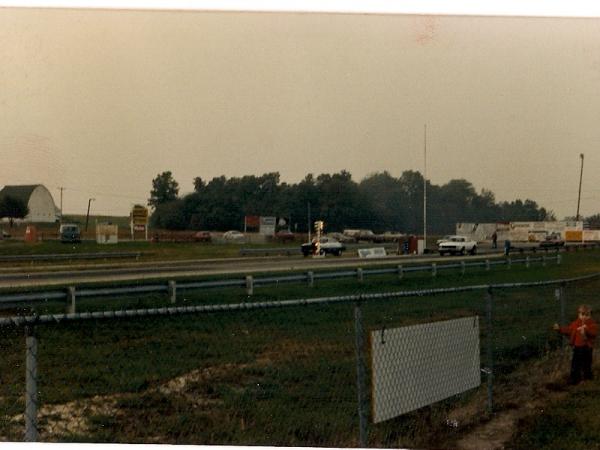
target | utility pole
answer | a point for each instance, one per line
(425, 189)
(87, 217)
(580, 178)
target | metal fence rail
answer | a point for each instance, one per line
(70, 294)
(364, 309)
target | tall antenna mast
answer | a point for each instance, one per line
(425, 189)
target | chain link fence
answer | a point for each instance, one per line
(285, 373)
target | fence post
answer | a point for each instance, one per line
(527, 262)
(71, 300)
(509, 262)
(433, 269)
(311, 278)
(463, 267)
(249, 285)
(489, 303)
(31, 397)
(173, 291)
(360, 274)
(360, 377)
(543, 260)
(487, 265)
(558, 259)
(400, 272)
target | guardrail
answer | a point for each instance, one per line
(71, 293)
(69, 256)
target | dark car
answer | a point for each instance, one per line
(202, 236)
(69, 233)
(326, 245)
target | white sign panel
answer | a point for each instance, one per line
(419, 365)
(267, 225)
(377, 252)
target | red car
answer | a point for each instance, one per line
(285, 236)
(202, 236)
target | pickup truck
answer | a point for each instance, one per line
(326, 245)
(457, 245)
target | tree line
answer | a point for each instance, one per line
(379, 202)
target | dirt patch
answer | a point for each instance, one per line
(525, 394)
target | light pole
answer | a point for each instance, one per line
(580, 178)
(87, 217)
(425, 188)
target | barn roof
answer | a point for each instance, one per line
(22, 192)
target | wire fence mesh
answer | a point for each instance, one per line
(293, 373)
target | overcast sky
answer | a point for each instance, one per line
(100, 102)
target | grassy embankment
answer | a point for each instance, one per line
(279, 377)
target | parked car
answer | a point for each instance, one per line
(326, 245)
(553, 240)
(285, 236)
(69, 233)
(457, 245)
(341, 237)
(202, 236)
(392, 236)
(234, 236)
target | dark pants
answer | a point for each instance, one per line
(581, 365)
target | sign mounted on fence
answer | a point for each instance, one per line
(419, 365)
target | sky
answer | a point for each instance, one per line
(100, 102)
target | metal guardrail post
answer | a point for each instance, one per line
(249, 285)
(509, 262)
(173, 291)
(360, 275)
(400, 271)
(463, 267)
(360, 377)
(558, 259)
(489, 304)
(433, 269)
(311, 278)
(527, 262)
(31, 391)
(543, 260)
(71, 300)
(487, 265)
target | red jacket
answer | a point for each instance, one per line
(576, 339)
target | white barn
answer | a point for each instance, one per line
(38, 199)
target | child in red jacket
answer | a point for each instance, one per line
(582, 332)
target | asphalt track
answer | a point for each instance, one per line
(53, 275)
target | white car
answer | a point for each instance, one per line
(234, 235)
(457, 245)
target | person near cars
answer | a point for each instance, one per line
(495, 240)
(582, 333)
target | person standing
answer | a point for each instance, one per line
(582, 333)
(495, 240)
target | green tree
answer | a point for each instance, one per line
(164, 189)
(13, 208)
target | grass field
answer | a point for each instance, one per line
(271, 377)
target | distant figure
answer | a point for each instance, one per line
(506, 247)
(582, 332)
(495, 240)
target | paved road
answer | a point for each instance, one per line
(66, 275)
